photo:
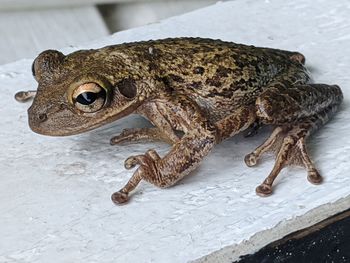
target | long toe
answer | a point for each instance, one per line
(250, 160)
(264, 190)
(314, 177)
(119, 198)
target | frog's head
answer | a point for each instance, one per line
(80, 92)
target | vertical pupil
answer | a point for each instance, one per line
(86, 98)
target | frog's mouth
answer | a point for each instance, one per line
(52, 122)
(59, 126)
(61, 121)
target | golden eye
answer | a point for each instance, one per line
(89, 97)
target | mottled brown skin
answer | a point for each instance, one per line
(208, 89)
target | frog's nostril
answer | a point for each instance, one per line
(42, 117)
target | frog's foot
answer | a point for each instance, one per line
(120, 198)
(144, 160)
(289, 145)
(24, 96)
(252, 158)
(141, 134)
(148, 171)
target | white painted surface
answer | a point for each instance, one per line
(25, 33)
(21, 4)
(40, 4)
(127, 15)
(54, 192)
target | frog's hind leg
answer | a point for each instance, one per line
(289, 145)
(296, 111)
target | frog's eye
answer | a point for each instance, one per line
(89, 97)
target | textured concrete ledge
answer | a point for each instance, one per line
(55, 192)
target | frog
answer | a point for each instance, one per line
(196, 92)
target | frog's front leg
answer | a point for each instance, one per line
(163, 130)
(144, 134)
(186, 154)
(296, 111)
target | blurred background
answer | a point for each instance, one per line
(29, 26)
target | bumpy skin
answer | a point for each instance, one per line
(208, 89)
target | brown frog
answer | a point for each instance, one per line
(208, 89)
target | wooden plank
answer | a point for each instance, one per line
(25, 33)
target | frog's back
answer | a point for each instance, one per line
(220, 76)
